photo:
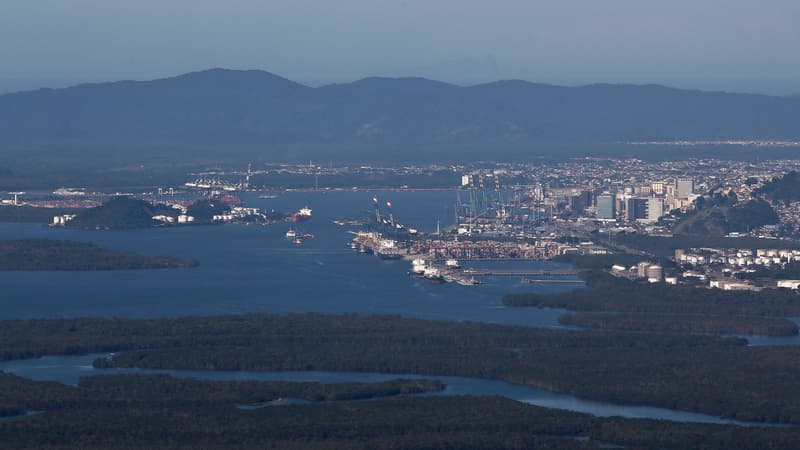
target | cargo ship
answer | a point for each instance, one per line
(433, 275)
(418, 266)
(302, 215)
(427, 271)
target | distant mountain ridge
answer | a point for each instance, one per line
(256, 111)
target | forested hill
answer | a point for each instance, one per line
(47, 254)
(782, 189)
(403, 118)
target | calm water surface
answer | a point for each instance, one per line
(254, 269)
(247, 269)
(68, 369)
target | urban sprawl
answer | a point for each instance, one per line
(539, 211)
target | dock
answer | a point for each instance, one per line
(550, 280)
(519, 273)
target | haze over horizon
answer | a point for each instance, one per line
(711, 45)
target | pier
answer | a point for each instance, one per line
(519, 273)
(550, 280)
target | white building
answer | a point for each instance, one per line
(789, 284)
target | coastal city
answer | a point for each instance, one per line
(366, 225)
(514, 212)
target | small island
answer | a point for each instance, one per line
(125, 212)
(254, 394)
(120, 213)
(47, 254)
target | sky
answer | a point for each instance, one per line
(739, 45)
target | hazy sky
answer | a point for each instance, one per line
(698, 43)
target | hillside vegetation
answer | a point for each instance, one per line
(128, 212)
(119, 212)
(782, 189)
(722, 214)
(159, 412)
(47, 254)
(255, 113)
(696, 373)
(607, 293)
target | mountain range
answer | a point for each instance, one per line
(250, 112)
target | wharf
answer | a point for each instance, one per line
(519, 273)
(549, 280)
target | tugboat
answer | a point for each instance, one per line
(291, 234)
(468, 281)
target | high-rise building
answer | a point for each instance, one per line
(636, 209)
(538, 193)
(655, 209)
(658, 187)
(644, 209)
(580, 202)
(684, 187)
(606, 206)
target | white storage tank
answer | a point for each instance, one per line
(655, 272)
